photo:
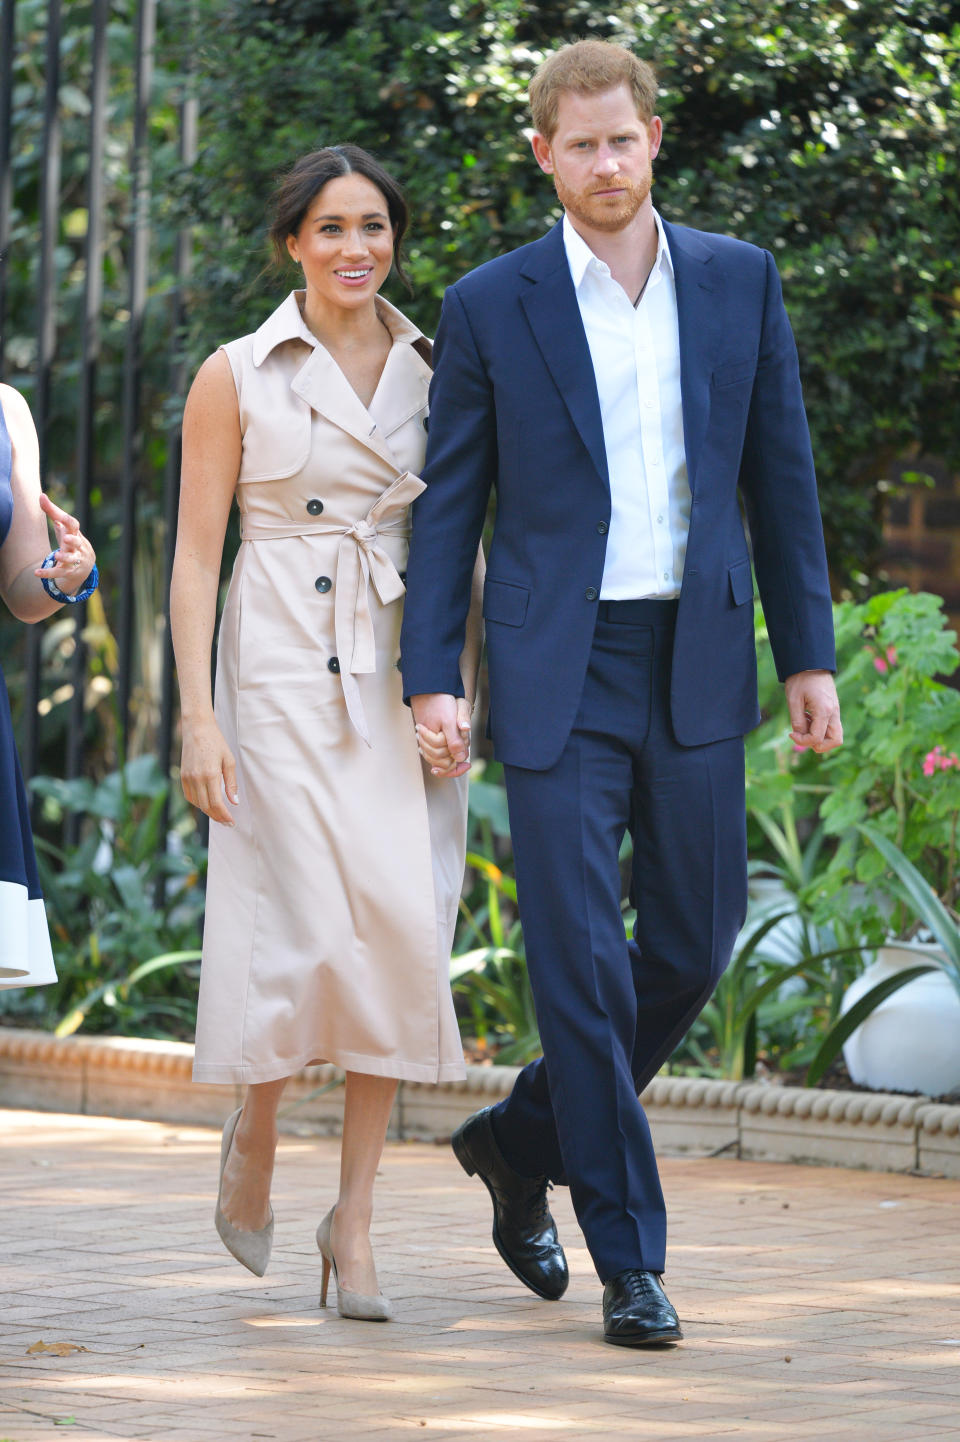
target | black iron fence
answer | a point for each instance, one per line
(109, 453)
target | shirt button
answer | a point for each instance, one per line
(591, 593)
(314, 507)
(666, 575)
(333, 665)
(659, 520)
(602, 528)
(323, 583)
(654, 460)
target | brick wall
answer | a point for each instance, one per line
(922, 534)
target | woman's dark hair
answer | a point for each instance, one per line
(299, 188)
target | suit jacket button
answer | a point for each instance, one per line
(323, 583)
(591, 593)
(314, 507)
(333, 665)
(602, 528)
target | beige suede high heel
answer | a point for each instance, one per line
(252, 1249)
(355, 1305)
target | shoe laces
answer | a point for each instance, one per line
(540, 1210)
(638, 1284)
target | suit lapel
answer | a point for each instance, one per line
(552, 311)
(698, 318)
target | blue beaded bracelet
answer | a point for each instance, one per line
(54, 591)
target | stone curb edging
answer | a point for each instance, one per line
(694, 1116)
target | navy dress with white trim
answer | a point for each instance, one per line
(25, 955)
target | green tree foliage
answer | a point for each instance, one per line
(824, 131)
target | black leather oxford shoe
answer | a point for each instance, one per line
(636, 1311)
(524, 1232)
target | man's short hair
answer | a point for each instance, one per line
(589, 67)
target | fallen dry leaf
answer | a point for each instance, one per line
(57, 1349)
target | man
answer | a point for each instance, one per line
(619, 382)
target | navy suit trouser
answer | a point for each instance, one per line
(610, 1009)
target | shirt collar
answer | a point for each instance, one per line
(287, 323)
(581, 258)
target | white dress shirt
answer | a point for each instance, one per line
(636, 360)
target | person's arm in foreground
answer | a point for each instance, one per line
(28, 540)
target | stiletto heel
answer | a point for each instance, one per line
(252, 1249)
(355, 1305)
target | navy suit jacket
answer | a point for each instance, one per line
(514, 405)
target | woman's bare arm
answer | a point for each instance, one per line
(212, 447)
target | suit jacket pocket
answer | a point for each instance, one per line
(741, 583)
(505, 602)
(732, 374)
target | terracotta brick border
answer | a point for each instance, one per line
(693, 1116)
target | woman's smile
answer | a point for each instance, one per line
(355, 276)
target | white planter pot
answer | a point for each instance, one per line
(911, 1041)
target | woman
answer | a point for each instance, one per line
(33, 586)
(336, 861)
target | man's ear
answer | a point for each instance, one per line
(655, 132)
(541, 152)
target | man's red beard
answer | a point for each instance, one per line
(605, 212)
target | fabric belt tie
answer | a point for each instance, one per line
(361, 559)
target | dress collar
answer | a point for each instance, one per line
(287, 323)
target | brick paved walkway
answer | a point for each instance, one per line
(816, 1303)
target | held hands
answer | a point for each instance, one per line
(207, 770)
(814, 711)
(75, 557)
(443, 733)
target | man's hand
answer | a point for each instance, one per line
(443, 733)
(814, 711)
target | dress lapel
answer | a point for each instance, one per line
(322, 385)
(551, 308)
(403, 389)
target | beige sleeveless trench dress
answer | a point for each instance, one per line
(331, 904)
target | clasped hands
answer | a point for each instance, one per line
(443, 727)
(443, 722)
(443, 733)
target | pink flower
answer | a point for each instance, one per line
(884, 665)
(939, 760)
